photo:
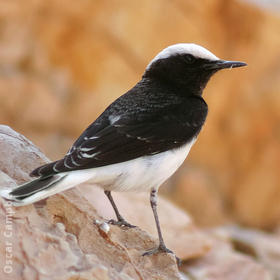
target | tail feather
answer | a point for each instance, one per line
(34, 186)
(26, 193)
(43, 187)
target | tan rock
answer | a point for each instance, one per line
(18, 156)
(69, 60)
(223, 263)
(264, 247)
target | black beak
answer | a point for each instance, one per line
(222, 64)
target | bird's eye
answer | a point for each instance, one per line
(189, 58)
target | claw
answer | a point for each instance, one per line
(121, 223)
(162, 249)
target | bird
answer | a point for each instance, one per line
(141, 139)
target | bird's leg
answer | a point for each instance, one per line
(161, 247)
(121, 221)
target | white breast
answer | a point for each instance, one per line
(139, 174)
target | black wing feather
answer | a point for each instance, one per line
(134, 134)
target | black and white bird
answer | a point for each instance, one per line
(141, 139)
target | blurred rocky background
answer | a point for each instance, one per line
(63, 61)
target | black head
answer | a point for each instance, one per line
(188, 67)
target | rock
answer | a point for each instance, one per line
(264, 247)
(17, 156)
(223, 263)
(66, 238)
(69, 60)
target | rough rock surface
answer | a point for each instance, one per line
(63, 61)
(18, 155)
(223, 263)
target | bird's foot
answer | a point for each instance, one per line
(162, 249)
(121, 223)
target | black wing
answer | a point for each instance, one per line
(117, 137)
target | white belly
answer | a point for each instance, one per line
(139, 174)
